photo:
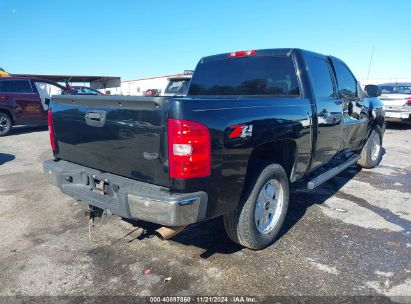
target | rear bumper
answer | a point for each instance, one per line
(126, 197)
(397, 115)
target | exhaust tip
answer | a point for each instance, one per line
(166, 233)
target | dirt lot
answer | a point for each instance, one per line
(352, 236)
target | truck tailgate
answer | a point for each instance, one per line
(120, 135)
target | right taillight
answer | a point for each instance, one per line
(408, 102)
(189, 149)
(51, 130)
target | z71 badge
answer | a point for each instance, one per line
(241, 131)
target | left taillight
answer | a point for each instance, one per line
(51, 129)
(189, 149)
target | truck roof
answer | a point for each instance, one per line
(31, 79)
(181, 77)
(274, 52)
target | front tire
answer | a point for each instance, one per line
(257, 220)
(5, 124)
(371, 153)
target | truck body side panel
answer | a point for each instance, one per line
(265, 119)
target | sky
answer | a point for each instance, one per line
(141, 38)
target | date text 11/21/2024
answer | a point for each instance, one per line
(203, 299)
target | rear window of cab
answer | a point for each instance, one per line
(250, 75)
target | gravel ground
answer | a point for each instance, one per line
(350, 237)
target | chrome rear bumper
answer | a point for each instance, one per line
(126, 197)
(397, 115)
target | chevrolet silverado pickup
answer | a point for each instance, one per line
(252, 123)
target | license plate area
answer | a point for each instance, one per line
(393, 114)
(104, 186)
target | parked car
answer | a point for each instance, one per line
(152, 92)
(248, 127)
(396, 98)
(24, 101)
(177, 85)
(81, 90)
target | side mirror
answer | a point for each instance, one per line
(373, 90)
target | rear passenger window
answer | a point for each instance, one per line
(257, 75)
(347, 85)
(320, 75)
(15, 86)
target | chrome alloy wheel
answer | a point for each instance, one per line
(376, 147)
(4, 125)
(268, 206)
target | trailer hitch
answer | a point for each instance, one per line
(91, 213)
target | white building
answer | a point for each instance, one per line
(139, 86)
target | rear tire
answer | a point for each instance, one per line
(5, 124)
(371, 153)
(257, 220)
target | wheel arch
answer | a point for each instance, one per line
(9, 113)
(282, 152)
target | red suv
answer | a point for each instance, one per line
(24, 101)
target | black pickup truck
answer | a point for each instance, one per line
(252, 123)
